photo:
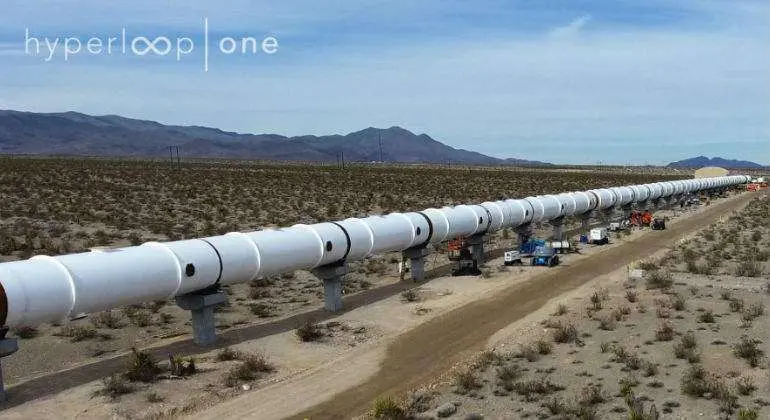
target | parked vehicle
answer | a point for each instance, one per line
(598, 236)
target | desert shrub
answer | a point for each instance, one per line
(726, 295)
(410, 295)
(529, 352)
(649, 265)
(748, 414)
(543, 347)
(754, 310)
(561, 309)
(636, 409)
(309, 331)
(227, 354)
(678, 302)
(25, 332)
(748, 269)
(565, 333)
(736, 305)
(541, 386)
(180, 366)
(624, 310)
(466, 381)
(596, 301)
(744, 385)
(141, 367)
(665, 332)
(659, 280)
(387, 408)
(606, 323)
(251, 367)
(262, 310)
(114, 386)
(748, 349)
(153, 397)
(507, 374)
(631, 296)
(633, 362)
(627, 386)
(77, 332)
(696, 381)
(707, 317)
(107, 319)
(649, 368)
(604, 346)
(686, 348)
(141, 318)
(487, 358)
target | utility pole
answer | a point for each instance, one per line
(178, 162)
(342, 159)
(380, 141)
(171, 154)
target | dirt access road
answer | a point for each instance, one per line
(424, 353)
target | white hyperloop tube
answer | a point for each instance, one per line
(521, 212)
(440, 224)
(584, 202)
(552, 207)
(496, 213)
(641, 193)
(605, 198)
(568, 204)
(537, 208)
(53, 289)
(625, 195)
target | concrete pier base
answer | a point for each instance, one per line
(416, 262)
(332, 276)
(201, 306)
(585, 222)
(476, 243)
(558, 228)
(8, 346)
(523, 232)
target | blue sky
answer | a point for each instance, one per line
(574, 81)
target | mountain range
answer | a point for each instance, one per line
(72, 133)
(703, 161)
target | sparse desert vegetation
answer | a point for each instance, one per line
(701, 352)
(529, 372)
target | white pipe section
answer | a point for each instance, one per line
(52, 289)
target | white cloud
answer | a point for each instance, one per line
(572, 29)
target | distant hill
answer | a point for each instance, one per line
(703, 161)
(72, 133)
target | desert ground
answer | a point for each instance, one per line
(682, 334)
(278, 354)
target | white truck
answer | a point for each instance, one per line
(512, 257)
(598, 236)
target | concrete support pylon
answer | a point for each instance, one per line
(416, 261)
(476, 242)
(8, 346)
(585, 222)
(558, 228)
(523, 233)
(201, 306)
(332, 276)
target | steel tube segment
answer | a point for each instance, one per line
(584, 202)
(52, 289)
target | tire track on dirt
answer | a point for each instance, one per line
(427, 351)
